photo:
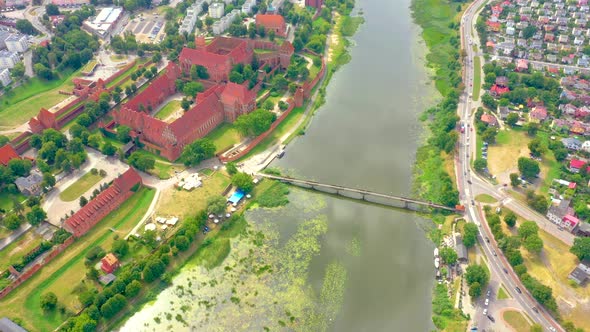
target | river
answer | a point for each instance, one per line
(324, 263)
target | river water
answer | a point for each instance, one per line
(322, 263)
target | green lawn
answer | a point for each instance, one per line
(485, 198)
(6, 200)
(168, 109)
(476, 77)
(79, 187)
(126, 73)
(67, 270)
(89, 66)
(517, 321)
(224, 137)
(24, 102)
(17, 249)
(502, 294)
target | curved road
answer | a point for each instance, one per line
(467, 180)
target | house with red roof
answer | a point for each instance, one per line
(103, 204)
(522, 65)
(7, 153)
(569, 222)
(314, 3)
(272, 22)
(109, 263)
(494, 26)
(489, 119)
(538, 114)
(576, 165)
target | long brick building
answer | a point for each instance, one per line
(103, 204)
(221, 101)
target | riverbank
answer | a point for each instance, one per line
(433, 179)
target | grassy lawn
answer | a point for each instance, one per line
(24, 102)
(224, 137)
(552, 267)
(163, 168)
(182, 203)
(550, 168)
(503, 156)
(67, 270)
(118, 57)
(126, 73)
(279, 131)
(89, 66)
(516, 320)
(476, 77)
(79, 187)
(6, 200)
(485, 198)
(17, 249)
(502, 294)
(168, 109)
(449, 166)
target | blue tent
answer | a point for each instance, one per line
(236, 197)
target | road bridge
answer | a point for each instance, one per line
(362, 195)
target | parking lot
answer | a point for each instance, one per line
(147, 28)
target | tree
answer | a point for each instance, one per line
(18, 71)
(512, 119)
(470, 234)
(153, 269)
(581, 247)
(113, 305)
(181, 242)
(123, 134)
(514, 181)
(243, 181)
(533, 243)
(26, 27)
(142, 162)
(36, 215)
(216, 204)
(17, 206)
(279, 83)
(268, 105)
(448, 255)
(231, 168)
(20, 167)
(51, 9)
(192, 88)
(475, 290)
(537, 148)
(527, 228)
(480, 164)
(532, 128)
(536, 328)
(12, 221)
(198, 151)
(185, 104)
(510, 219)
(120, 248)
(109, 149)
(94, 141)
(489, 135)
(132, 288)
(83, 201)
(48, 301)
(255, 123)
(476, 273)
(528, 168)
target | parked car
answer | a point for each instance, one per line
(487, 302)
(505, 270)
(535, 309)
(485, 311)
(491, 318)
(487, 239)
(518, 290)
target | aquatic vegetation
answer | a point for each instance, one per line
(354, 247)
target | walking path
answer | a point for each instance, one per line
(5, 242)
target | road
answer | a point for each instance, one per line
(543, 63)
(500, 270)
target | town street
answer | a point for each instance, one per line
(469, 184)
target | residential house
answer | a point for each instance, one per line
(522, 65)
(572, 143)
(583, 229)
(538, 114)
(461, 250)
(489, 119)
(581, 273)
(5, 78)
(30, 185)
(569, 222)
(585, 146)
(576, 165)
(557, 212)
(109, 263)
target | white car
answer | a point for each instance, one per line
(487, 302)
(485, 311)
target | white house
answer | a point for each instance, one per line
(8, 59)
(216, 10)
(17, 43)
(5, 77)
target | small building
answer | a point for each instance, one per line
(581, 273)
(522, 65)
(106, 279)
(569, 222)
(576, 165)
(103, 23)
(461, 250)
(8, 59)
(582, 229)
(109, 263)
(489, 119)
(30, 185)
(314, 3)
(272, 22)
(557, 212)
(572, 143)
(6, 325)
(538, 114)
(7, 153)
(216, 10)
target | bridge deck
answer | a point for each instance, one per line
(358, 191)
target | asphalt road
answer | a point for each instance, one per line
(500, 269)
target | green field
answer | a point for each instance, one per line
(125, 74)
(6, 200)
(224, 137)
(79, 187)
(89, 66)
(65, 272)
(485, 198)
(24, 102)
(476, 77)
(516, 320)
(16, 250)
(168, 109)
(502, 294)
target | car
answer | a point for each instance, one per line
(491, 318)
(469, 181)
(489, 292)
(487, 302)
(535, 309)
(552, 329)
(505, 270)
(494, 253)
(472, 202)
(518, 290)
(485, 311)
(487, 239)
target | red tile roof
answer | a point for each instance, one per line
(489, 119)
(572, 185)
(576, 163)
(7, 153)
(236, 93)
(573, 221)
(539, 113)
(270, 21)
